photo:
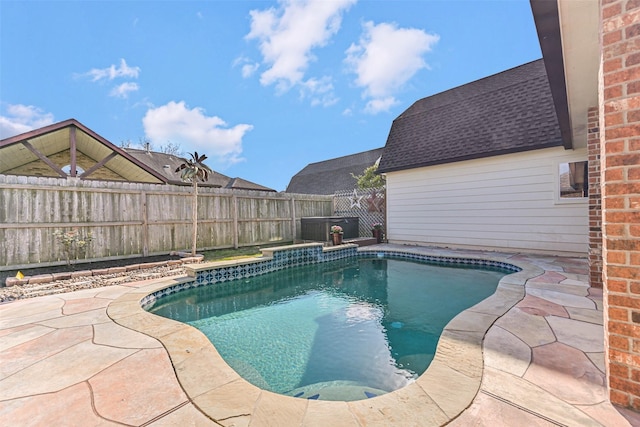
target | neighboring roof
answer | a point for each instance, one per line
(70, 142)
(332, 175)
(243, 184)
(509, 112)
(45, 152)
(166, 164)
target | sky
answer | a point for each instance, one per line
(263, 88)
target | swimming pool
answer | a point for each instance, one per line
(349, 329)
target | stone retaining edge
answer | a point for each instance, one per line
(47, 278)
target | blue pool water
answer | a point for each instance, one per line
(341, 330)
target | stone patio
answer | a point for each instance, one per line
(94, 357)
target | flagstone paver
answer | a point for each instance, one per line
(532, 329)
(562, 298)
(503, 350)
(541, 307)
(61, 370)
(322, 413)
(488, 411)
(549, 277)
(524, 394)
(23, 334)
(94, 357)
(566, 373)
(68, 407)
(114, 335)
(118, 398)
(586, 315)
(84, 304)
(21, 356)
(584, 336)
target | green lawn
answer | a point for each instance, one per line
(244, 252)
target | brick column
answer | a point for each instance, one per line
(595, 205)
(620, 163)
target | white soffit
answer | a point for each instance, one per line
(580, 30)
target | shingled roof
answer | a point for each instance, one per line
(166, 165)
(332, 175)
(509, 112)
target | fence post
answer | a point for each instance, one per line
(235, 221)
(293, 219)
(145, 223)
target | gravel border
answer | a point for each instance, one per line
(56, 283)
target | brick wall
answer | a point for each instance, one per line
(620, 162)
(595, 205)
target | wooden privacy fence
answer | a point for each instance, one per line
(131, 219)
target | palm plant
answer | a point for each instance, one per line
(194, 170)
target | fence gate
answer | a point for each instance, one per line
(369, 205)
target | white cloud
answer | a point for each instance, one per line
(21, 118)
(385, 58)
(112, 72)
(248, 66)
(287, 35)
(379, 105)
(320, 91)
(249, 69)
(195, 131)
(122, 91)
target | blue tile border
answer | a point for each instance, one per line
(439, 259)
(275, 259)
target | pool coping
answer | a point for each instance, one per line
(221, 394)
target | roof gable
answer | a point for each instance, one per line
(332, 175)
(243, 184)
(508, 112)
(46, 151)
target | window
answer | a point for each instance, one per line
(67, 169)
(574, 180)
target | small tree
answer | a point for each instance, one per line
(194, 170)
(171, 148)
(369, 178)
(74, 245)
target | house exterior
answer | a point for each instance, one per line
(70, 149)
(483, 165)
(591, 50)
(333, 175)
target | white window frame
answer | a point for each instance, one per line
(556, 182)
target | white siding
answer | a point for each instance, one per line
(504, 202)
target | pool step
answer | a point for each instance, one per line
(336, 391)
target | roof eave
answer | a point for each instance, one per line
(73, 122)
(469, 157)
(547, 21)
(38, 132)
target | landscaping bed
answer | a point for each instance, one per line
(59, 279)
(93, 275)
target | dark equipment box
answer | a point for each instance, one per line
(318, 228)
